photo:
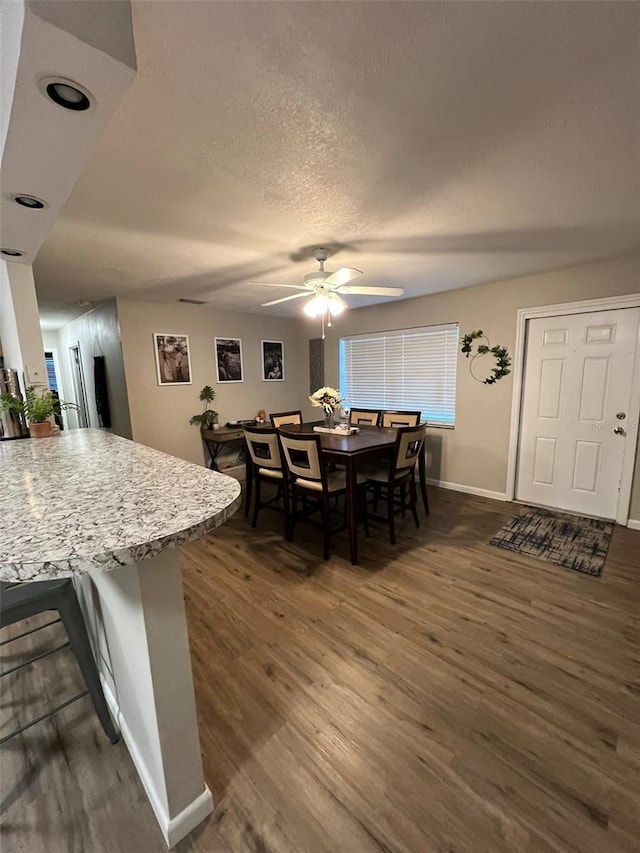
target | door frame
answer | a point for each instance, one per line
(586, 306)
(57, 370)
(59, 380)
(80, 391)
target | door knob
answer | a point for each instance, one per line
(619, 431)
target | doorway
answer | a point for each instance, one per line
(54, 381)
(578, 411)
(79, 387)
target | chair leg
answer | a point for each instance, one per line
(256, 501)
(285, 505)
(362, 494)
(376, 497)
(73, 620)
(425, 499)
(423, 490)
(293, 504)
(403, 498)
(326, 526)
(390, 516)
(414, 501)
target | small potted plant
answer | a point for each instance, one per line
(37, 407)
(208, 418)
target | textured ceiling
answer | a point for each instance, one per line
(436, 145)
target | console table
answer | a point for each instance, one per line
(215, 439)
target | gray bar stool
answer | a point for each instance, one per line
(22, 600)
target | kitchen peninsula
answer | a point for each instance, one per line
(112, 514)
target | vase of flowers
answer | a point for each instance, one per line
(327, 399)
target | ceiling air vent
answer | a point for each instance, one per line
(192, 301)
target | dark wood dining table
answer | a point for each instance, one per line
(348, 450)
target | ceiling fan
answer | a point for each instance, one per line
(324, 289)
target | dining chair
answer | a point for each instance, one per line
(279, 419)
(309, 479)
(366, 417)
(264, 451)
(395, 481)
(24, 600)
(400, 419)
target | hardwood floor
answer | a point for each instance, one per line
(443, 696)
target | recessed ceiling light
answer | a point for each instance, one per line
(12, 253)
(29, 201)
(66, 93)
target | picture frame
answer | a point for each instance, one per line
(272, 361)
(229, 360)
(173, 359)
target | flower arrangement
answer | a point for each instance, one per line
(326, 398)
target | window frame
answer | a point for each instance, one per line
(390, 333)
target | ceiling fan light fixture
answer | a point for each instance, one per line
(324, 303)
(336, 305)
(322, 288)
(317, 306)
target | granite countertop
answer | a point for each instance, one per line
(90, 501)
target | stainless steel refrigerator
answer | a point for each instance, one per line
(11, 425)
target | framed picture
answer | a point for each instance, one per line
(229, 359)
(272, 361)
(173, 363)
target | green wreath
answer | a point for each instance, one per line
(503, 361)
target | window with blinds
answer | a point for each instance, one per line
(410, 369)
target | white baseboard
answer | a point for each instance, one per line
(633, 523)
(173, 829)
(182, 824)
(470, 490)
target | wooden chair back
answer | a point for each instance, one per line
(409, 446)
(279, 419)
(264, 448)
(302, 457)
(400, 419)
(366, 417)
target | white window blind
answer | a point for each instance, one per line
(410, 369)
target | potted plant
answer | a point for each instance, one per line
(37, 407)
(208, 418)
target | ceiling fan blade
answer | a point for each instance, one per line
(343, 275)
(274, 284)
(285, 299)
(371, 291)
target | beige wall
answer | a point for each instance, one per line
(98, 333)
(160, 415)
(475, 452)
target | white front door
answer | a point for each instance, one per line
(578, 375)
